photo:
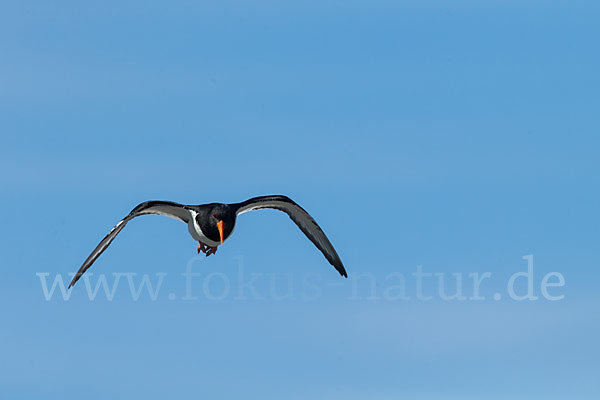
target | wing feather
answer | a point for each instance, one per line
(302, 219)
(166, 208)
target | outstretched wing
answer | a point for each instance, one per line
(305, 222)
(166, 208)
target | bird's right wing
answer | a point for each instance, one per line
(166, 208)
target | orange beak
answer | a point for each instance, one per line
(220, 226)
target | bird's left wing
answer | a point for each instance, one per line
(166, 208)
(302, 219)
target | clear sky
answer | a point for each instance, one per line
(452, 138)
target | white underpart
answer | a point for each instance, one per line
(197, 233)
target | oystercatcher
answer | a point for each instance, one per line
(211, 224)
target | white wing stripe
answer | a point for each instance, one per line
(304, 221)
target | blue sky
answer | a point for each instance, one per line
(456, 136)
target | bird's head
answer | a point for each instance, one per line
(221, 218)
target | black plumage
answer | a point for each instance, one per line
(211, 224)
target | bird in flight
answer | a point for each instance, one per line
(211, 224)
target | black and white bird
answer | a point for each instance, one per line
(211, 224)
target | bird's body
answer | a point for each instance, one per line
(211, 224)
